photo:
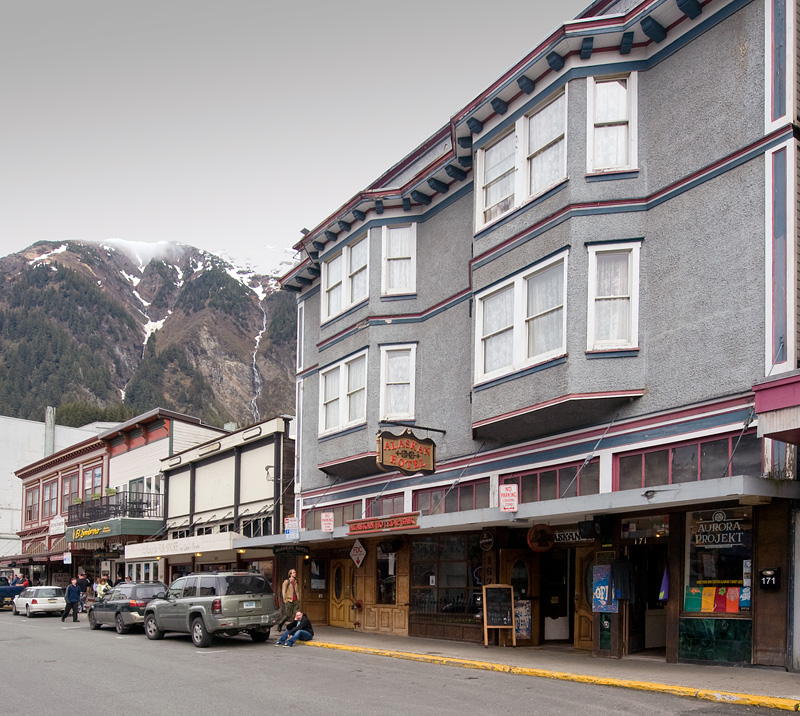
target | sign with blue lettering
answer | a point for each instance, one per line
(602, 599)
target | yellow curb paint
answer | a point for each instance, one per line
(685, 691)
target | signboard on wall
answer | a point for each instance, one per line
(358, 553)
(406, 453)
(291, 528)
(327, 521)
(602, 599)
(508, 498)
(390, 523)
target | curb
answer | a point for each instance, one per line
(727, 697)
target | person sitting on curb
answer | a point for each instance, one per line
(300, 629)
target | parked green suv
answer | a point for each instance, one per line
(209, 604)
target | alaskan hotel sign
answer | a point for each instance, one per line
(390, 523)
(406, 453)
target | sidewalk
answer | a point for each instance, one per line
(771, 688)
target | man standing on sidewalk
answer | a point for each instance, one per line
(73, 599)
(83, 585)
(290, 591)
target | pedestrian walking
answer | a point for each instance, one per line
(73, 598)
(300, 629)
(290, 592)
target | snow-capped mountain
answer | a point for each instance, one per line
(123, 327)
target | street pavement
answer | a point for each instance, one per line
(753, 686)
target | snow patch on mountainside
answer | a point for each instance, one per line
(60, 250)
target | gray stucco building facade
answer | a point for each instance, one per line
(583, 288)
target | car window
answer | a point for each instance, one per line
(246, 584)
(113, 594)
(148, 591)
(208, 586)
(176, 588)
(51, 592)
(125, 592)
(25, 593)
(190, 588)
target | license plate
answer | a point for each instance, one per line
(249, 605)
(52, 601)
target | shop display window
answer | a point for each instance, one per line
(719, 553)
(446, 579)
(386, 592)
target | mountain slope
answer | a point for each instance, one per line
(115, 329)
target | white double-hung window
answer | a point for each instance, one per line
(399, 259)
(345, 278)
(522, 321)
(612, 123)
(613, 314)
(343, 394)
(398, 370)
(526, 162)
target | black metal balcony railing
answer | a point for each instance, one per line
(123, 504)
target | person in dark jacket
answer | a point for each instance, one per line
(73, 598)
(300, 629)
(84, 583)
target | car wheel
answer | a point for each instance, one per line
(93, 621)
(28, 612)
(151, 628)
(200, 635)
(14, 609)
(259, 637)
(122, 628)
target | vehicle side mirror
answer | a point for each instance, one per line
(160, 595)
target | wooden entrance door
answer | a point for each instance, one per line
(342, 591)
(584, 617)
(520, 569)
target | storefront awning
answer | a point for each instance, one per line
(113, 528)
(184, 546)
(741, 489)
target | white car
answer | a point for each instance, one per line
(39, 600)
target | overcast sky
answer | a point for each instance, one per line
(230, 124)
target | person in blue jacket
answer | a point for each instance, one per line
(73, 598)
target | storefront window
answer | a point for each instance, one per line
(318, 573)
(719, 561)
(386, 592)
(446, 578)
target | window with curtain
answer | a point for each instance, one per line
(345, 278)
(50, 499)
(397, 382)
(69, 491)
(547, 156)
(613, 296)
(523, 321)
(399, 260)
(32, 505)
(526, 162)
(612, 123)
(499, 165)
(343, 391)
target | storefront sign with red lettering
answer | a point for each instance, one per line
(390, 523)
(406, 453)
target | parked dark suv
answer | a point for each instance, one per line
(123, 606)
(208, 604)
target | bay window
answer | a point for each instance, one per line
(612, 125)
(526, 162)
(397, 382)
(343, 394)
(613, 315)
(399, 252)
(522, 321)
(69, 491)
(345, 279)
(50, 499)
